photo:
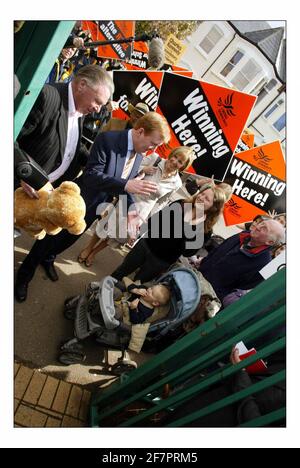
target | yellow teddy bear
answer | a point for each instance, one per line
(61, 208)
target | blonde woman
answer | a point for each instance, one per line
(163, 172)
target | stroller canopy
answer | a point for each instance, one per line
(186, 293)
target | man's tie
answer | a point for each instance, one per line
(128, 165)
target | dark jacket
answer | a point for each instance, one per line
(168, 242)
(101, 179)
(44, 134)
(141, 312)
(228, 268)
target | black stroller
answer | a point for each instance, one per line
(94, 314)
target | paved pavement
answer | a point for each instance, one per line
(40, 326)
(43, 401)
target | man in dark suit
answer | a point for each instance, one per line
(111, 170)
(50, 140)
(51, 135)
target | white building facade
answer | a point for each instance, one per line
(248, 56)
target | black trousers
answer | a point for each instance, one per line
(141, 257)
(45, 250)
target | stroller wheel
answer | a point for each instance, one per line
(70, 305)
(124, 366)
(71, 301)
(72, 357)
(76, 347)
(70, 313)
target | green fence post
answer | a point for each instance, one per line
(37, 45)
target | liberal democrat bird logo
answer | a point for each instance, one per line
(227, 104)
(261, 156)
(233, 205)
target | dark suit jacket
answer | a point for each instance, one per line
(101, 179)
(227, 268)
(44, 134)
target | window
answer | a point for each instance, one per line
(232, 63)
(211, 39)
(266, 89)
(256, 90)
(280, 123)
(273, 108)
(246, 75)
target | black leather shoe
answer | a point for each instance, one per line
(21, 291)
(50, 271)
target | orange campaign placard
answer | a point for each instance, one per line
(139, 61)
(257, 177)
(133, 87)
(110, 30)
(248, 139)
(245, 143)
(92, 27)
(139, 57)
(207, 117)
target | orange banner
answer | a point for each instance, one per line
(207, 117)
(139, 57)
(139, 61)
(248, 139)
(91, 26)
(110, 30)
(245, 143)
(136, 86)
(257, 177)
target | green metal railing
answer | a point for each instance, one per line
(183, 365)
(37, 45)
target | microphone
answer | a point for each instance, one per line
(156, 55)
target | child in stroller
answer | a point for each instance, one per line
(143, 300)
(96, 313)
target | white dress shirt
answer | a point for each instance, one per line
(72, 138)
(128, 165)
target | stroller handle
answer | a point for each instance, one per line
(106, 302)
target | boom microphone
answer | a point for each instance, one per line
(156, 55)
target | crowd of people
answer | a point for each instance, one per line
(117, 172)
(117, 165)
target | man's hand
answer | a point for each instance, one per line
(235, 356)
(149, 170)
(140, 187)
(133, 223)
(205, 180)
(30, 191)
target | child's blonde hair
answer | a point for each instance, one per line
(163, 294)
